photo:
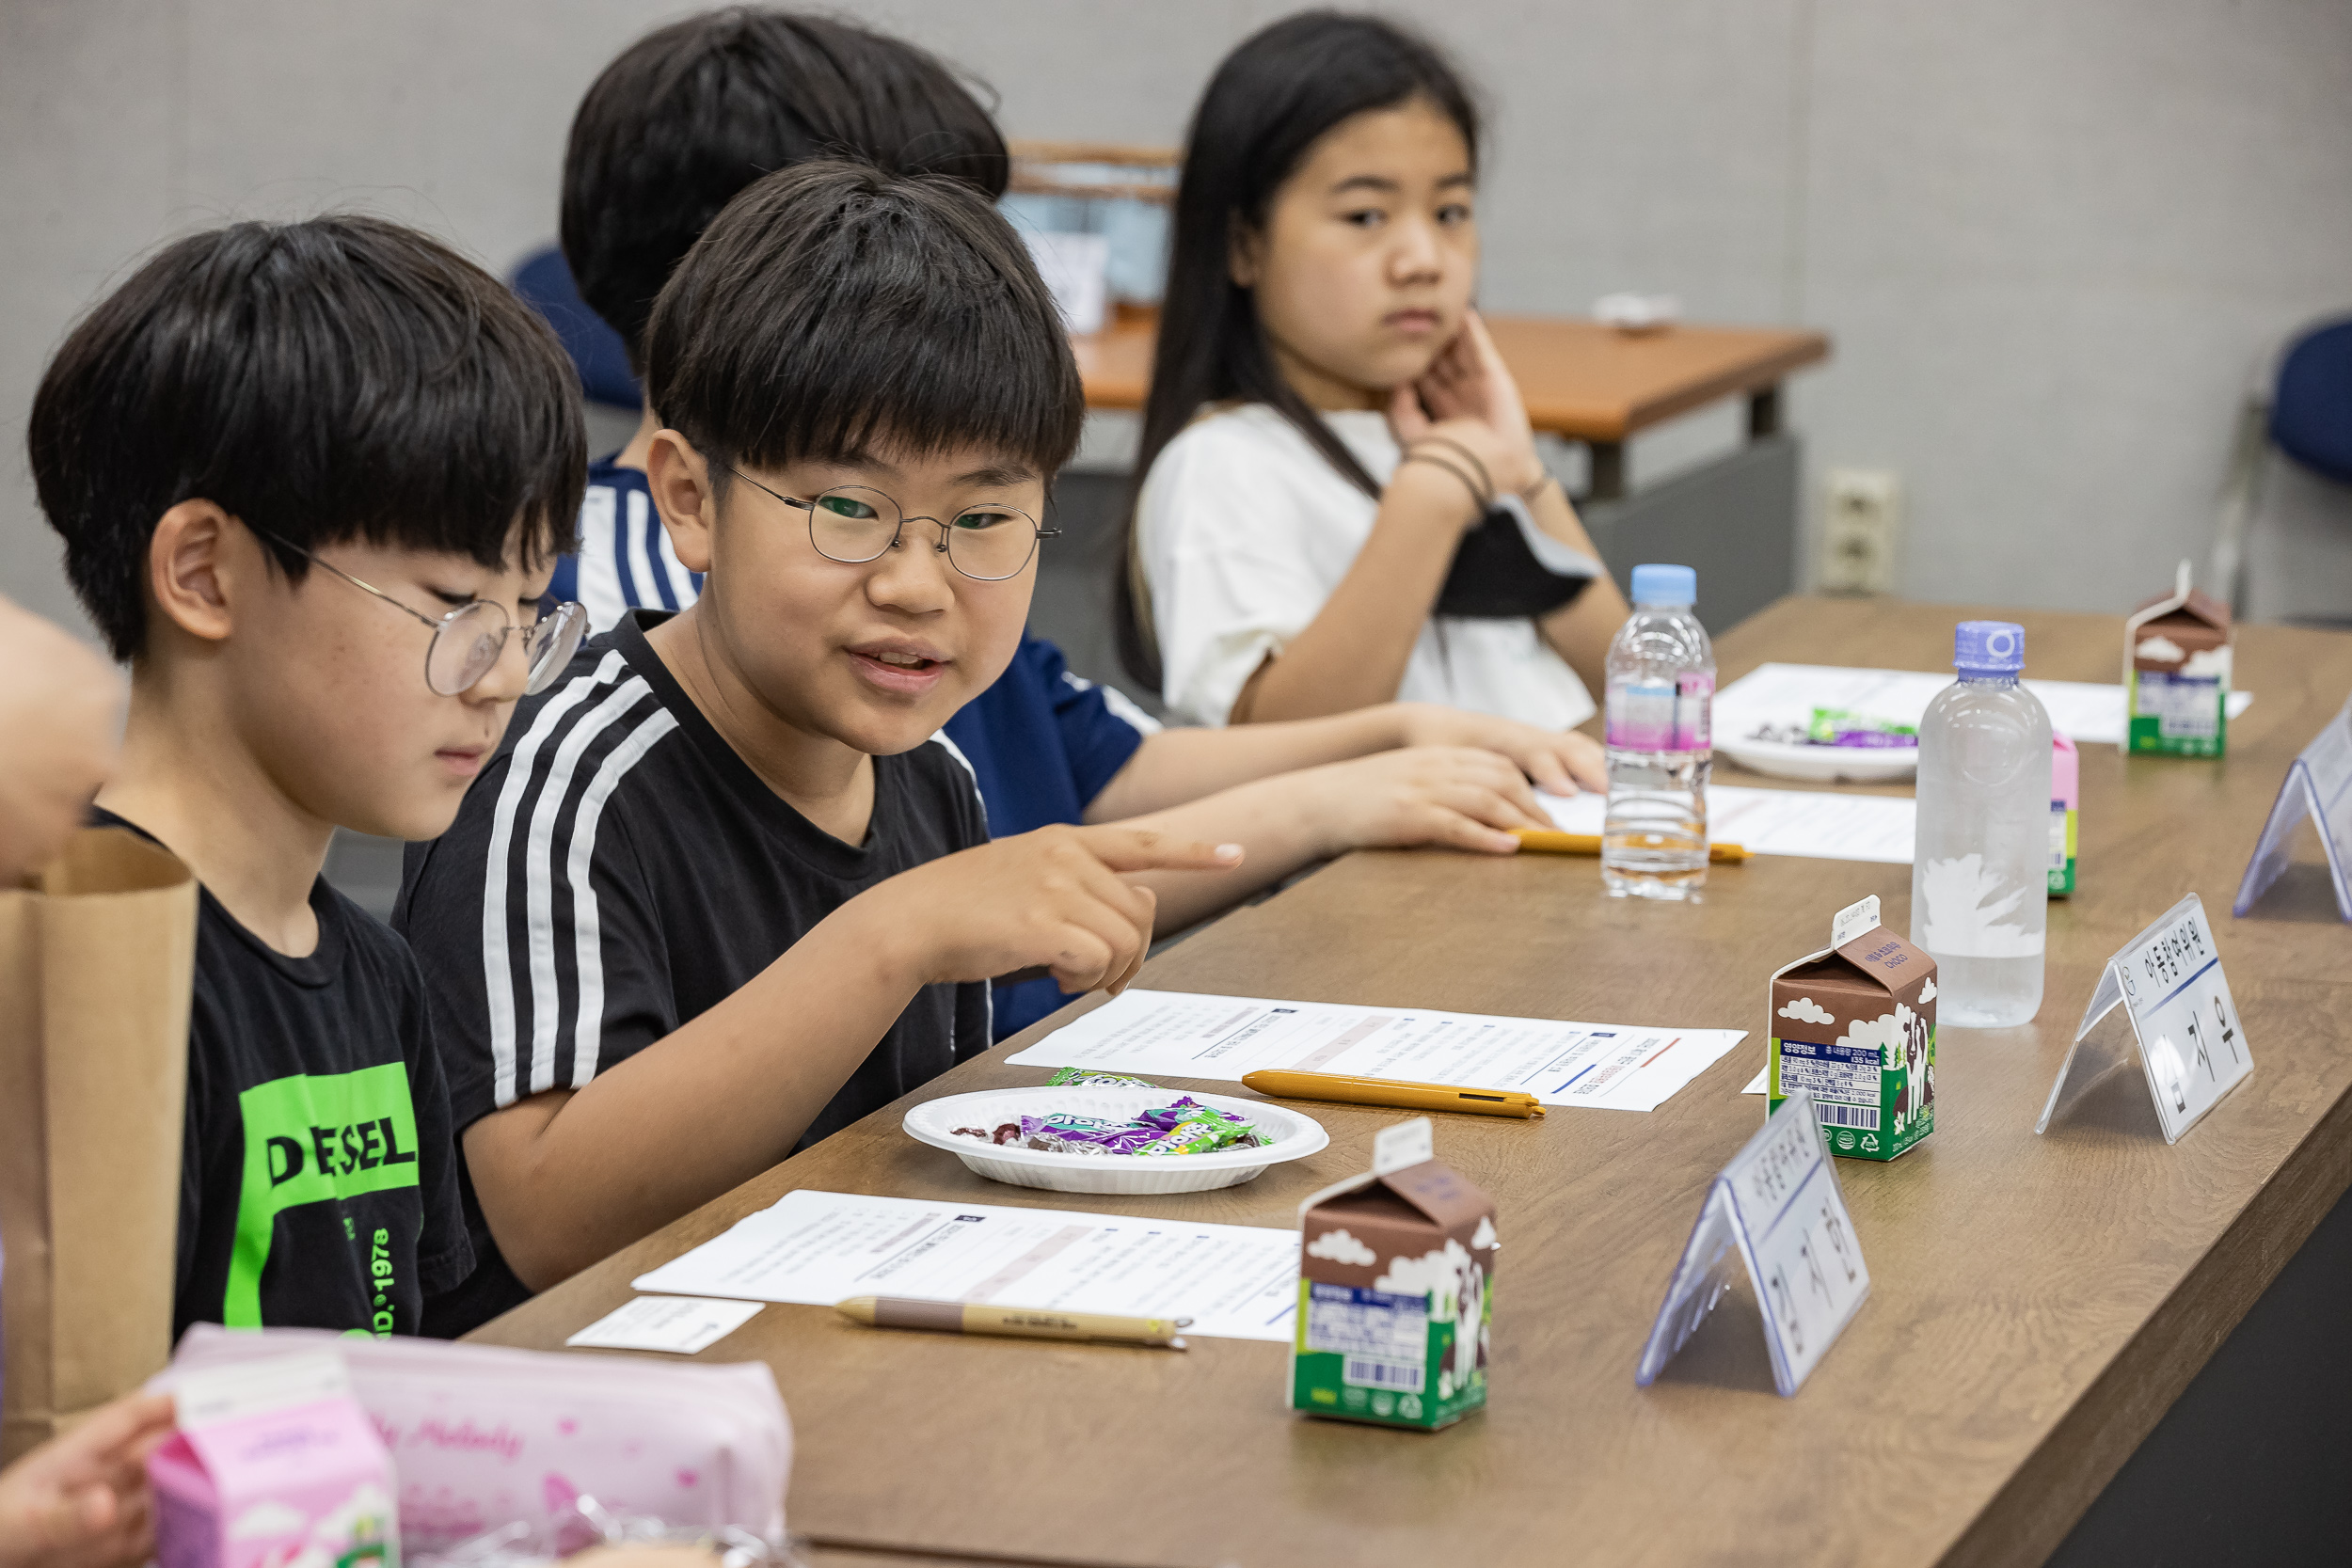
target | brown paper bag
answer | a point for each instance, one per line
(96, 960)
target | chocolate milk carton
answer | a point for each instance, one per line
(1855, 1023)
(1395, 1290)
(2176, 672)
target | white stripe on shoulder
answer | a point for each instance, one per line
(497, 972)
(587, 938)
(539, 871)
(640, 587)
(957, 751)
(1120, 704)
(1124, 707)
(597, 572)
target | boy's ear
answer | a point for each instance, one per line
(1244, 247)
(680, 478)
(193, 561)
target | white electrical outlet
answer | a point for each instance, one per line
(1861, 520)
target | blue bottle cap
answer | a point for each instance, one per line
(1666, 585)
(1989, 647)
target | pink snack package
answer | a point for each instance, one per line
(483, 1437)
(274, 1466)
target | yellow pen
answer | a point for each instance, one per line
(1282, 1085)
(1026, 1322)
(1544, 839)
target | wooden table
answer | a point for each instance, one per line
(1580, 380)
(2036, 1303)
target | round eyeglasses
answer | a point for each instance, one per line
(468, 642)
(988, 541)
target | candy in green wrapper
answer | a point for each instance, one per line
(1090, 1079)
(1837, 726)
(1203, 1134)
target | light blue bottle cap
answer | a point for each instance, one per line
(1989, 647)
(1668, 585)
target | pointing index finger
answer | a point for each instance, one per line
(1148, 849)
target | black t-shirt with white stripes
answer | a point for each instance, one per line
(616, 870)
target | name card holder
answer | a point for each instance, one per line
(2185, 1029)
(1778, 1203)
(2318, 785)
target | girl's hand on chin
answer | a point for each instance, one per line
(1466, 394)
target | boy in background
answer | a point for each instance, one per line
(668, 134)
(695, 112)
(719, 895)
(312, 480)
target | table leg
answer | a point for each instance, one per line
(1764, 412)
(1607, 480)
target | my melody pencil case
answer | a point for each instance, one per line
(484, 1436)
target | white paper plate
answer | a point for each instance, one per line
(1290, 1135)
(1823, 764)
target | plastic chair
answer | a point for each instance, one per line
(544, 282)
(2305, 411)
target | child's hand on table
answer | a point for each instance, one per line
(1461, 796)
(1560, 761)
(1052, 898)
(80, 1500)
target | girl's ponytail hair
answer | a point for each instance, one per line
(1272, 98)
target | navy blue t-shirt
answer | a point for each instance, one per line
(1042, 742)
(624, 562)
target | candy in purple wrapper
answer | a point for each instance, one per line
(1089, 1133)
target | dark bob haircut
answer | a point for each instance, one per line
(694, 112)
(343, 378)
(1275, 96)
(834, 309)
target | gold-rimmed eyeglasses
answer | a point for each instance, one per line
(988, 541)
(467, 641)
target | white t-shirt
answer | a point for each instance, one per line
(1245, 529)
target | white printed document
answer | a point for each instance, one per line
(1817, 823)
(1780, 694)
(679, 1324)
(1615, 1067)
(1234, 1281)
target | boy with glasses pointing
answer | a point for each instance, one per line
(720, 894)
(272, 453)
(696, 111)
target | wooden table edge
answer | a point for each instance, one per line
(1811, 348)
(2049, 1493)
(1578, 422)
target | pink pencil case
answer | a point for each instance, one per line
(483, 1437)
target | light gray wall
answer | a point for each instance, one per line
(2049, 240)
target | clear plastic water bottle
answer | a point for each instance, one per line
(1661, 688)
(1979, 875)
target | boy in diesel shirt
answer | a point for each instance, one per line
(312, 480)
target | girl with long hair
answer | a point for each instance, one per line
(1340, 502)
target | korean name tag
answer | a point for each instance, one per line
(1778, 1203)
(2319, 786)
(2185, 1025)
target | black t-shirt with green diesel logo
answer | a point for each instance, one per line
(318, 1186)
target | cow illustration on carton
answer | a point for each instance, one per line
(1855, 1025)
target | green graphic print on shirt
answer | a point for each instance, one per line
(320, 1139)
